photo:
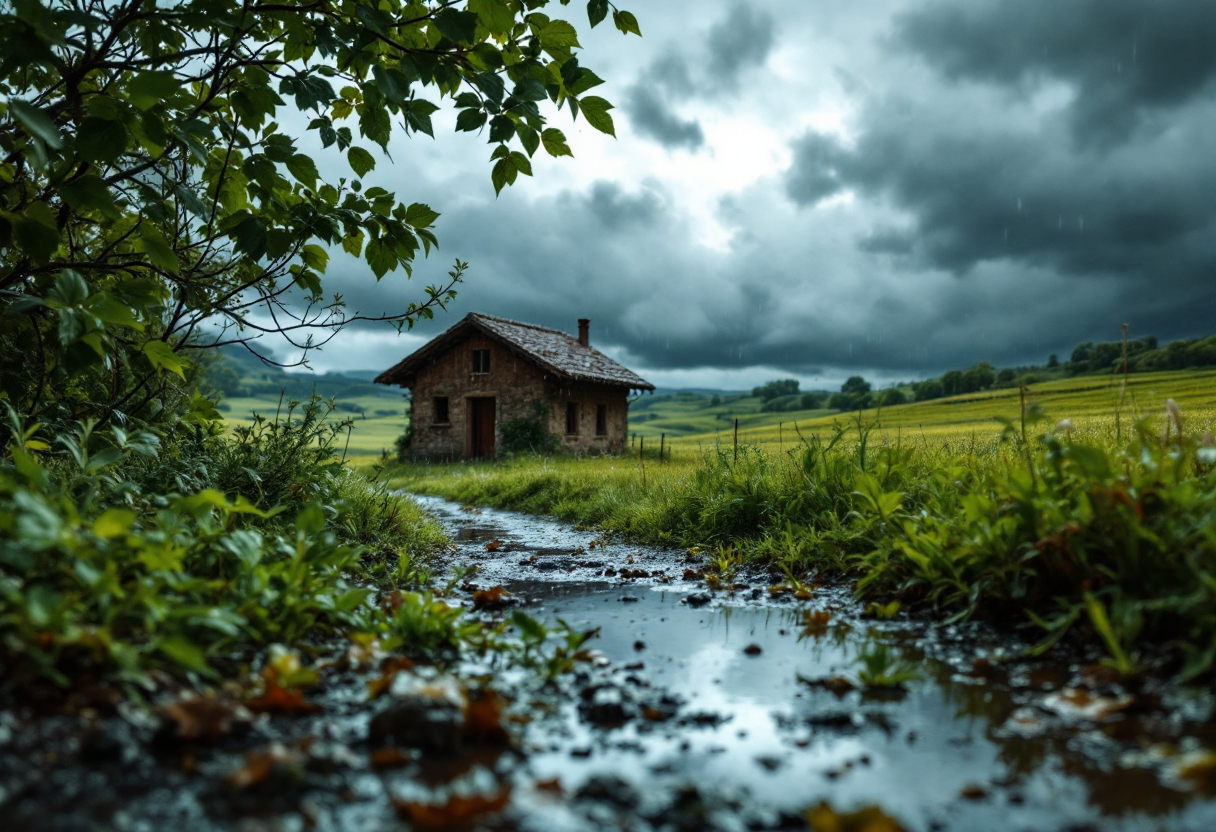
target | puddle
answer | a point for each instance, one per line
(728, 710)
(967, 745)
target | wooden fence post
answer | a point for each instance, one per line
(736, 439)
(662, 444)
(642, 458)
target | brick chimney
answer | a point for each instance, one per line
(584, 326)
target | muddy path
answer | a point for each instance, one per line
(729, 709)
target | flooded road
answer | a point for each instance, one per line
(733, 708)
(771, 719)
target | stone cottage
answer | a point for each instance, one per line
(485, 372)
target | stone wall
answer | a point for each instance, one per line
(517, 386)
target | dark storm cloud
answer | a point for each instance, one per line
(980, 178)
(1127, 60)
(653, 118)
(741, 40)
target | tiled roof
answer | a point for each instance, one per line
(555, 351)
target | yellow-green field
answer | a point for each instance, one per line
(377, 420)
(1091, 402)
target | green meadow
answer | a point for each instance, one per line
(1094, 404)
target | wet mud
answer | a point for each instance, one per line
(732, 708)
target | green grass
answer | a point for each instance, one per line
(1091, 402)
(1100, 531)
(376, 419)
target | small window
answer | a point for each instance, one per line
(481, 361)
(441, 410)
(572, 418)
(601, 420)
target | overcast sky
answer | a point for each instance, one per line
(817, 188)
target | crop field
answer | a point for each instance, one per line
(1093, 403)
(376, 419)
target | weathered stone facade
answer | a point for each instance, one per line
(476, 377)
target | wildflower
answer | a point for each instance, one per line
(1064, 425)
(1175, 413)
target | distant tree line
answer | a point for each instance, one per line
(1088, 358)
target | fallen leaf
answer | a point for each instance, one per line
(388, 672)
(275, 760)
(196, 718)
(281, 700)
(483, 718)
(823, 818)
(1078, 703)
(493, 545)
(490, 599)
(552, 786)
(839, 685)
(458, 811)
(391, 758)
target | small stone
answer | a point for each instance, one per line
(639, 645)
(628, 599)
(610, 789)
(698, 599)
(753, 650)
(421, 713)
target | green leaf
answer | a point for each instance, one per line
(457, 26)
(153, 243)
(501, 129)
(555, 142)
(470, 120)
(418, 115)
(35, 233)
(361, 162)
(315, 257)
(495, 15)
(558, 35)
(585, 80)
(380, 257)
(597, 10)
(521, 163)
(250, 236)
(101, 140)
(89, 193)
(36, 122)
(114, 522)
(421, 216)
(304, 169)
(528, 137)
(626, 22)
(147, 89)
(163, 357)
(503, 174)
(595, 110)
(186, 653)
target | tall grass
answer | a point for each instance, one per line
(1064, 529)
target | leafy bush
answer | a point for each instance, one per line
(1112, 545)
(529, 436)
(101, 571)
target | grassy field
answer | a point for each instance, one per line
(1091, 402)
(378, 419)
(1098, 529)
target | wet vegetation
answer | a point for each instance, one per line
(1098, 537)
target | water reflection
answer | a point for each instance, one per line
(942, 751)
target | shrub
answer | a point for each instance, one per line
(530, 436)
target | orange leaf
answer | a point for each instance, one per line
(483, 719)
(388, 672)
(490, 598)
(281, 700)
(390, 758)
(458, 811)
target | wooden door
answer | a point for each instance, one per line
(481, 428)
